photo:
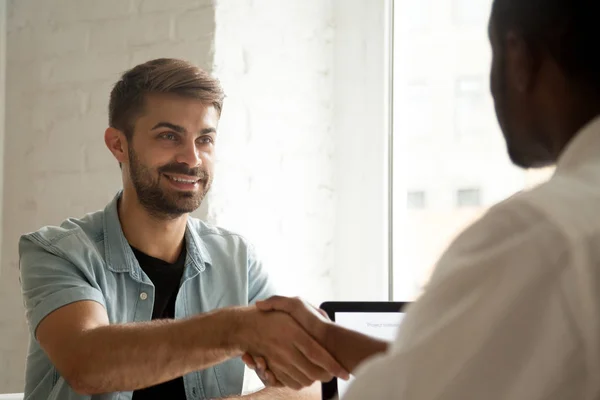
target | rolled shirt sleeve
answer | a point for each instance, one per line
(49, 281)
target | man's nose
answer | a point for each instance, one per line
(190, 155)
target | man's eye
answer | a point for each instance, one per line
(206, 140)
(169, 136)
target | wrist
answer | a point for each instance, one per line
(225, 324)
(238, 334)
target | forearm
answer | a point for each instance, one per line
(131, 356)
(349, 347)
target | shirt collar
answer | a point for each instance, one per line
(198, 254)
(119, 256)
(583, 148)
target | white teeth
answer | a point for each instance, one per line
(182, 180)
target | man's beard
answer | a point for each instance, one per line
(161, 203)
(527, 146)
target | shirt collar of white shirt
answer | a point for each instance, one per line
(583, 148)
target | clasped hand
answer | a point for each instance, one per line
(290, 351)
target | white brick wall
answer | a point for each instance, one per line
(275, 176)
(361, 157)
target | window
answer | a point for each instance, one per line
(469, 102)
(416, 200)
(444, 71)
(468, 198)
(416, 15)
(416, 108)
(471, 12)
(304, 180)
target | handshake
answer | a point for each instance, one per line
(288, 342)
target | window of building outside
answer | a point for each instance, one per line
(416, 200)
(471, 118)
(416, 16)
(416, 109)
(465, 143)
(468, 198)
(470, 12)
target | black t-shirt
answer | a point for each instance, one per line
(166, 278)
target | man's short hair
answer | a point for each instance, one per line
(564, 29)
(163, 75)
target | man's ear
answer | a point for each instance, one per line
(117, 144)
(521, 65)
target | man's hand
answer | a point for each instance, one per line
(294, 357)
(259, 365)
(312, 319)
(349, 347)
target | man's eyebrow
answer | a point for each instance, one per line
(176, 128)
(181, 129)
(206, 131)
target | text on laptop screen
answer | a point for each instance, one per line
(381, 325)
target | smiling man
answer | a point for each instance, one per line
(141, 300)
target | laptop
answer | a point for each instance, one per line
(377, 319)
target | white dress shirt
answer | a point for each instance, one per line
(512, 310)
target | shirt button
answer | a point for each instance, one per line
(143, 296)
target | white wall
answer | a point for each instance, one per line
(275, 176)
(361, 148)
(304, 139)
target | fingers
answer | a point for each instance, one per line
(261, 363)
(270, 379)
(323, 313)
(314, 320)
(279, 303)
(261, 367)
(265, 375)
(249, 361)
(310, 370)
(291, 377)
(320, 357)
(288, 369)
(306, 314)
(290, 365)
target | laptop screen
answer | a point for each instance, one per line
(381, 325)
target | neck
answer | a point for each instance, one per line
(581, 113)
(159, 238)
(570, 105)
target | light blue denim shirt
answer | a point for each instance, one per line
(90, 259)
